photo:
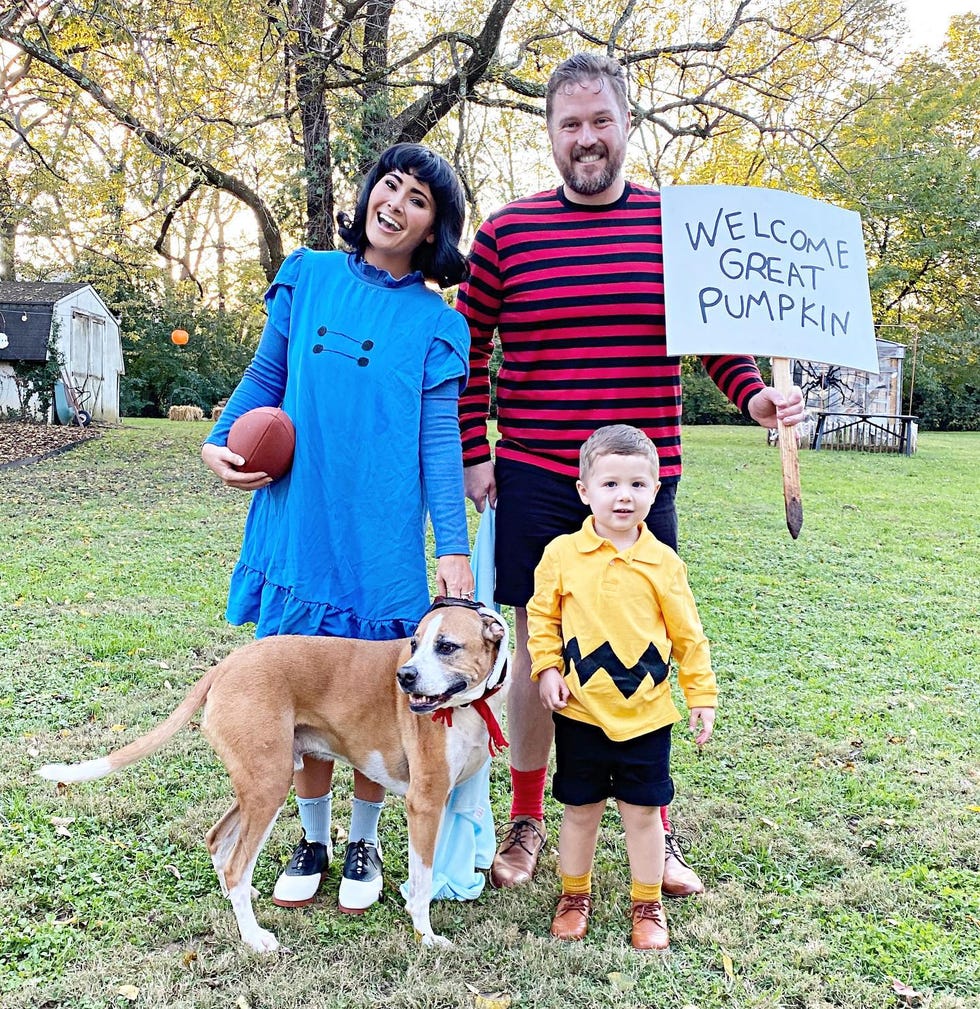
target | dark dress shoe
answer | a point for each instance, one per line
(517, 856)
(680, 880)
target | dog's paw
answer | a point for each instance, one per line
(436, 940)
(261, 940)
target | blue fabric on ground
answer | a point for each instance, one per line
(467, 841)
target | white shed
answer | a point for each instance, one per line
(33, 314)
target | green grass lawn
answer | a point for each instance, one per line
(835, 816)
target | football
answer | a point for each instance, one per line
(265, 439)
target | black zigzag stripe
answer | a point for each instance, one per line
(626, 679)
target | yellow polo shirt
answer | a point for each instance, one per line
(610, 620)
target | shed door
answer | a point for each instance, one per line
(85, 357)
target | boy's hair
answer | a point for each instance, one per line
(617, 439)
(439, 260)
(581, 69)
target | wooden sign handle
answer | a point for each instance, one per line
(783, 382)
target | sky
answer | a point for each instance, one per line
(929, 19)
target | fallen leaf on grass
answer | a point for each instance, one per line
(242, 1003)
(620, 981)
(128, 991)
(188, 957)
(61, 825)
(974, 809)
(906, 994)
(726, 962)
(118, 728)
(489, 999)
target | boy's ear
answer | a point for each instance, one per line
(582, 492)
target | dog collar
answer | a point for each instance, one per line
(496, 743)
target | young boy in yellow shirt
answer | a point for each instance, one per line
(611, 607)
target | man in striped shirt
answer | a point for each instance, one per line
(572, 281)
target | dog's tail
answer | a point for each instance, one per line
(89, 770)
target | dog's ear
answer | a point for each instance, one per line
(493, 629)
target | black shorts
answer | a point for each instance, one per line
(590, 767)
(534, 506)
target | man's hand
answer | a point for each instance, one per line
(480, 485)
(552, 689)
(768, 407)
(706, 716)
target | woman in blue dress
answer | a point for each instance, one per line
(368, 362)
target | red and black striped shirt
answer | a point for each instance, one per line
(576, 293)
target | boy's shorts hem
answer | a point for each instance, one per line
(591, 767)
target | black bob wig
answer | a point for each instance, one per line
(439, 260)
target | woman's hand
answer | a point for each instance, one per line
(224, 464)
(454, 577)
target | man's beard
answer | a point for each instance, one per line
(590, 184)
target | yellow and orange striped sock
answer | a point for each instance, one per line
(645, 893)
(576, 884)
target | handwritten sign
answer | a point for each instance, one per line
(765, 272)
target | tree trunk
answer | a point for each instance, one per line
(314, 121)
(376, 122)
(8, 232)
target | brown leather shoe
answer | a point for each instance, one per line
(517, 856)
(649, 925)
(571, 920)
(680, 880)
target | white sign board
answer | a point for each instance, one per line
(765, 272)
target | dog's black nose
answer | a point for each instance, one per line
(407, 677)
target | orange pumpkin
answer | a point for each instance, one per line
(180, 337)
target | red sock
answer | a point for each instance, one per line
(665, 816)
(528, 789)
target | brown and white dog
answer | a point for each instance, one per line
(367, 703)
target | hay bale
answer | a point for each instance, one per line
(185, 413)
